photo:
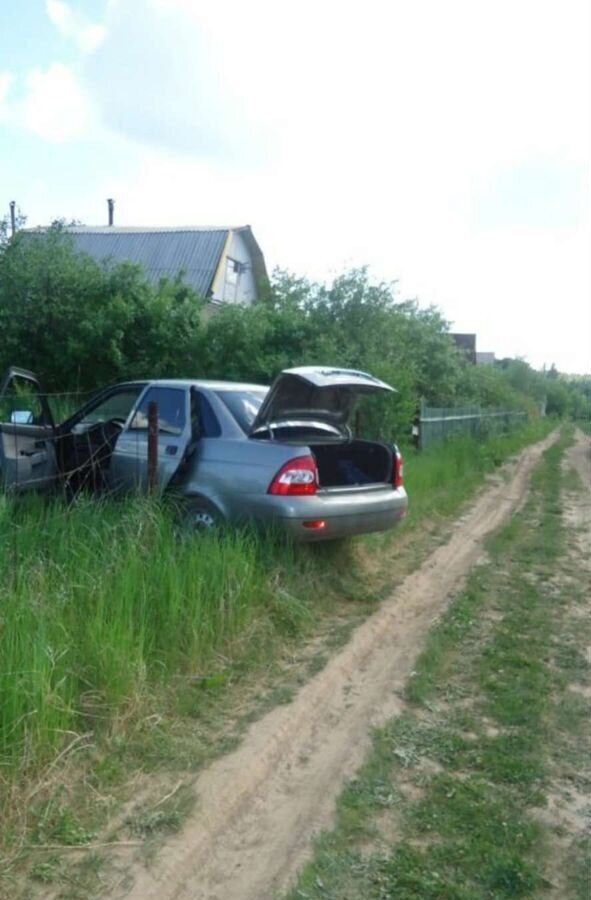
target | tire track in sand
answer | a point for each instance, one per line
(259, 807)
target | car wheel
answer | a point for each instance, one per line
(201, 518)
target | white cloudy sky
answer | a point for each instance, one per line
(444, 144)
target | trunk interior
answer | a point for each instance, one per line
(352, 464)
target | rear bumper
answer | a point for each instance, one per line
(333, 514)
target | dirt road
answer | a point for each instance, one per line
(259, 807)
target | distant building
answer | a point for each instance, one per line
(484, 358)
(224, 265)
(467, 344)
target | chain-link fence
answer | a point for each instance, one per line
(437, 423)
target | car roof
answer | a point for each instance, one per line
(206, 383)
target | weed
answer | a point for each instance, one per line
(113, 628)
(476, 743)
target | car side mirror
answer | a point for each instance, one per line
(21, 417)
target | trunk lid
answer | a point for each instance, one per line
(322, 395)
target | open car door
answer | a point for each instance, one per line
(27, 438)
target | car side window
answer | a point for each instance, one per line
(170, 403)
(204, 422)
(244, 405)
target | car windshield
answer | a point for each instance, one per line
(244, 404)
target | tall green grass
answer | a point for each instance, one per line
(439, 479)
(103, 601)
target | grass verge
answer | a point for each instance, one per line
(124, 650)
(466, 795)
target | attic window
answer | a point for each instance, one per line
(234, 269)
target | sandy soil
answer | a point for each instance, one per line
(578, 505)
(567, 814)
(259, 807)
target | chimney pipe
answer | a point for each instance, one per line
(111, 205)
(12, 218)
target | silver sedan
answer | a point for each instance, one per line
(233, 452)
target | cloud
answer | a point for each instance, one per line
(52, 102)
(55, 106)
(72, 24)
(159, 77)
(444, 89)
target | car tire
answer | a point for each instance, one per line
(201, 517)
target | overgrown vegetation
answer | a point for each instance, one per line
(104, 599)
(116, 630)
(60, 309)
(451, 801)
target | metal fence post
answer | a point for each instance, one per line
(421, 417)
(152, 445)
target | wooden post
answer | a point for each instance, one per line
(152, 445)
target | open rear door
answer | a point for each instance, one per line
(27, 441)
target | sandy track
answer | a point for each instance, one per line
(259, 807)
(578, 507)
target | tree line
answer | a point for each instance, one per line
(81, 324)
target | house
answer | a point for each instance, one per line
(466, 343)
(224, 265)
(485, 358)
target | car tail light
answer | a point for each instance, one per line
(298, 476)
(398, 473)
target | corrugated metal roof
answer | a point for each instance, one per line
(163, 252)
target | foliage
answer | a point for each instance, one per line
(81, 324)
(351, 322)
(580, 398)
(443, 806)
(120, 640)
(103, 601)
(356, 323)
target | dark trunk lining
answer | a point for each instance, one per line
(355, 463)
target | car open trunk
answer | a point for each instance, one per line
(312, 406)
(353, 464)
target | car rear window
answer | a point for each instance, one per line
(243, 404)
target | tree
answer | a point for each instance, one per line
(81, 324)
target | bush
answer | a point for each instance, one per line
(81, 324)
